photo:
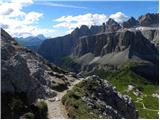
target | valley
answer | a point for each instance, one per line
(110, 71)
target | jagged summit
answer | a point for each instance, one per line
(132, 22)
(149, 19)
(111, 22)
(112, 25)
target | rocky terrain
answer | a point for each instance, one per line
(96, 98)
(24, 71)
(33, 88)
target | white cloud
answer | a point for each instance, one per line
(71, 22)
(19, 23)
(32, 17)
(119, 17)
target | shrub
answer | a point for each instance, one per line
(40, 109)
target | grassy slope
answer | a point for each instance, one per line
(121, 79)
(75, 106)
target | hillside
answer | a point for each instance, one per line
(26, 78)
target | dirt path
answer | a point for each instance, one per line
(55, 107)
(139, 100)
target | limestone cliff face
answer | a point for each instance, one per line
(112, 26)
(102, 44)
(149, 19)
(56, 49)
(132, 22)
(27, 72)
(153, 36)
(108, 44)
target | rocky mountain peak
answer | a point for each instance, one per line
(132, 22)
(5, 36)
(149, 19)
(112, 25)
(82, 31)
(111, 22)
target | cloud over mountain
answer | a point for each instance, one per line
(119, 17)
(71, 22)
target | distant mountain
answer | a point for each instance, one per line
(55, 49)
(31, 42)
(132, 22)
(149, 20)
(112, 25)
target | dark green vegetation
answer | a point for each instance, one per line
(75, 106)
(146, 104)
(16, 105)
(70, 64)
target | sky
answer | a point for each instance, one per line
(22, 18)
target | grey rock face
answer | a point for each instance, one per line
(110, 44)
(103, 44)
(25, 71)
(57, 48)
(109, 102)
(112, 26)
(54, 49)
(153, 36)
(132, 22)
(149, 19)
(97, 29)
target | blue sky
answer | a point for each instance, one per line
(47, 15)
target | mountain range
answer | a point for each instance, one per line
(106, 46)
(31, 42)
(109, 71)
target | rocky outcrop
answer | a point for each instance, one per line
(100, 98)
(149, 19)
(132, 22)
(153, 36)
(112, 26)
(27, 72)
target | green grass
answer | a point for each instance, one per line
(75, 106)
(148, 114)
(151, 102)
(124, 77)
